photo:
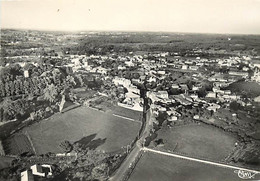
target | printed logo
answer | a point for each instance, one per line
(243, 174)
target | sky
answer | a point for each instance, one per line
(198, 16)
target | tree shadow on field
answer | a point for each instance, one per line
(90, 142)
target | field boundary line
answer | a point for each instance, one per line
(199, 160)
(2, 151)
(29, 138)
(130, 119)
(95, 109)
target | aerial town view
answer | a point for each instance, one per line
(118, 104)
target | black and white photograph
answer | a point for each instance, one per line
(129, 90)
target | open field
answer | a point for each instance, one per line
(83, 93)
(256, 135)
(5, 161)
(17, 144)
(121, 111)
(88, 126)
(201, 141)
(5, 129)
(136, 115)
(154, 167)
(250, 89)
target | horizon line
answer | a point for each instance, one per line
(130, 31)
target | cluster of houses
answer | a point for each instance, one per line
(161, 99)
(156, 69)
(44, 171)
(81, 61)
(132, 99)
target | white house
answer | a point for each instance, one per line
(121, 81)
(194, 96)
(196, 117)
(27, 175)
(184, 67)
(41, 170)
(236, 73)
(195, 88)
(26, 73)
(213, 107)
(175, 86)
(162, 94)
(161, 72)
(257, 99)
(194, 67)
(173, 118)
(211, 95)
(120, 67)
(37, 170)
(76, 61)
(217, 90)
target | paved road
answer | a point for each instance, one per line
(120, 173)
(199, 160)
(126, 164)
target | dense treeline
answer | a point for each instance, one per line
(12, 81)
(45, 82)
(13, 109)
